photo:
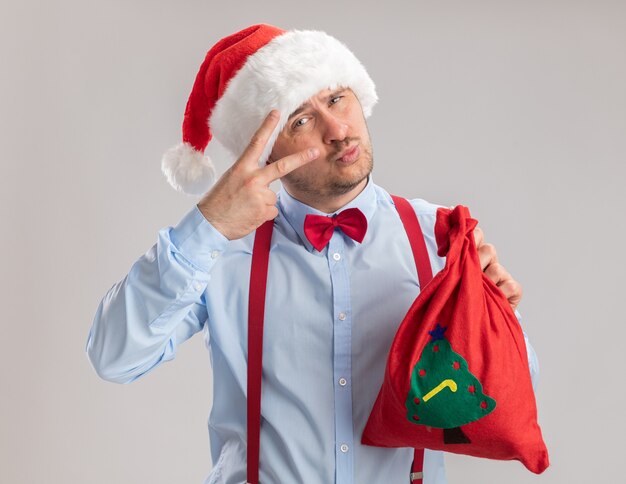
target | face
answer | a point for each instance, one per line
(333, 122)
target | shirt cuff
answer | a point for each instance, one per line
(198, 240)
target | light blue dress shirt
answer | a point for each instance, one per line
(329, 321)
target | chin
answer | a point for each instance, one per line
(343, 185)
(331, 185)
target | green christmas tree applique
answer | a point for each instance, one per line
(444, 394)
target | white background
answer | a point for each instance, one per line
(516, 109)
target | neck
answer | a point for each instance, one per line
(325, 203)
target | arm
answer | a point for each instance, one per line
(158, 305)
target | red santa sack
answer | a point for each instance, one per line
(457, 376)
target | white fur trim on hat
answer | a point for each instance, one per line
(282, 75)
(188, 170)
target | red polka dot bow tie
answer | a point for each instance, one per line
(319, 228)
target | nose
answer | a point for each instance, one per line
(334, 129)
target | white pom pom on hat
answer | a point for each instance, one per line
(187, 169)
(246, 75)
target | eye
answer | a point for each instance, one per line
(333, 99)
(298, 123)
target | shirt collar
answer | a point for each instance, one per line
(295, 211)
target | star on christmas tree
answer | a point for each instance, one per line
(437, 333)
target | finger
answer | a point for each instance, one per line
(269, 197)
(478, 236)
(286, 165)
(512, 290)
(259, 140)
(487, 255)
(497, 273)
(271, 212)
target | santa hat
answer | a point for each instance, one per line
(246, 75)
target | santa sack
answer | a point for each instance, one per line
(457, 376)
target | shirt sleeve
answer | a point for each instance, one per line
(533, 362)
(158, 304)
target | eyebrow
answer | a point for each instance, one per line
(307, 104)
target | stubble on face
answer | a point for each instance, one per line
(335, 184)
(317, 185)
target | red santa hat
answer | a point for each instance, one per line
(246, 75)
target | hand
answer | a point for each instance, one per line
(495, 271)
(241, 200)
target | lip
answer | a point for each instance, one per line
(350, 155)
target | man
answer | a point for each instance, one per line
(293, 106)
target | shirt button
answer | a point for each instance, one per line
(342, 316)
(344, 448)
(336, 256)
(215, 254)
(343, 382)
(197, 286)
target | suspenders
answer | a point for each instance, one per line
(256, 313)
(425, 274)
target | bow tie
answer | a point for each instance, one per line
(319, 228)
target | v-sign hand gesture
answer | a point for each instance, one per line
(241, 200)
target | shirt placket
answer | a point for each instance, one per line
(342, 359)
